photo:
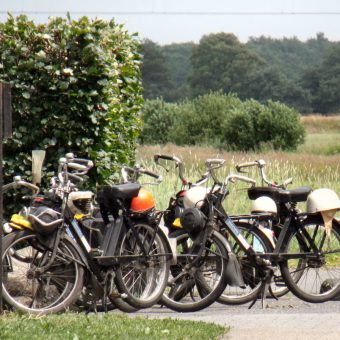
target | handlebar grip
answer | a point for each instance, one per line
(70, 159)
(232, 177)
(159, 178)
(84, 161)
(75, 177)
(166, 157)
(246, 165)
(77, 166)
(215, 161)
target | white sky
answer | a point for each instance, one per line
(164, 28)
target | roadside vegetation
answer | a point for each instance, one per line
(104, 326)
(312, 164)
(222, 121)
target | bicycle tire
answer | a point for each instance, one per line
(123, 306)
(184, 294)
(53, 290)
(260, 243)
(325, 266)
(143, 278)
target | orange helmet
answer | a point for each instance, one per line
(144, 201)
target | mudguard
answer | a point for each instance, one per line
(170, 242)
(233, 275)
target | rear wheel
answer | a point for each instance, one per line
(309, 273)
(28, 289)
(261, 244)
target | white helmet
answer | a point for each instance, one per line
(264, 204)
(322, 200)
(194, 197)
(80, 202)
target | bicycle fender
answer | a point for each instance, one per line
(233, 273)
(170, 242)
(82, 256)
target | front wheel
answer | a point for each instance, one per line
(28, 289)
(144, 269)
(309, 271)
(192, 288)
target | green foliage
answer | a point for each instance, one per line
(103, 326)
(221, 62)
(286, 70)
(198, 122)
(290, 56)
(224, 121)
(326, 85)
(177, 58)
(252, 126)
(75, 87)
(158, 118)
(154, 70)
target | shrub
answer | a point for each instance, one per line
(198, 122)
(225, 121)
(158, 120)
(75, 87)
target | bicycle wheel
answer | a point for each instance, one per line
(261, 244)
(142, 276)
(193, 288)
(306, 273)
(26, 288)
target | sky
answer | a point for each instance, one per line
(175, 21)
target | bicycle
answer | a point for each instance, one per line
(58, 259)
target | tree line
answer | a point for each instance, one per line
(303, 75)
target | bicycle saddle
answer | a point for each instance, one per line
(122, 191)
(279, 195)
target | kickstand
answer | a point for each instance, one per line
(264, 288)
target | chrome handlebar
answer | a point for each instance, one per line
(261, 165)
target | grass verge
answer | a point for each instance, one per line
(104, 326)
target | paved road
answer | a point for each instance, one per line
(288, 318)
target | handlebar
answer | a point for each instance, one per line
(261, 164)
(233, 178)
(81, 165)
(178, 163)
(214, 164)
(17, 181)
(137, 171)
(75, 177)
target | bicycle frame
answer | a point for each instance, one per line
(294, 221)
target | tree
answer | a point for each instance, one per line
(328, 97)
(154, 71)
(221, 62)
(177, 57)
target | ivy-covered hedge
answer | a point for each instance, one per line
(76, 87)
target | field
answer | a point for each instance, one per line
(316, 163)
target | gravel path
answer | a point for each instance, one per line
(288, 318)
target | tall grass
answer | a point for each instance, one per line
(316, 171)
(321, 123)
(316, 164)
